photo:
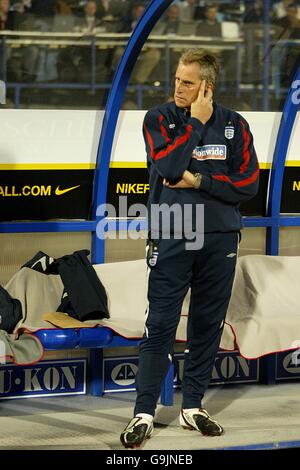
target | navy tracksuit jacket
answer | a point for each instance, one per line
(222, 151)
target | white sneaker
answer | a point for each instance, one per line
(200, 420)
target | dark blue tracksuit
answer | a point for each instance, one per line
(222, 151)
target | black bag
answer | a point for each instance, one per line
(10, 311)
(84, 296)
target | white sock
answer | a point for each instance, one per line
(145, 416)
(190, 410)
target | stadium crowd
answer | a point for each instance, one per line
(220, 20)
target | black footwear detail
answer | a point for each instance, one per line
(200, 421)
(136, 432)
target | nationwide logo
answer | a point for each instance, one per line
(60, 192)
(210, 152)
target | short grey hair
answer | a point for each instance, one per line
(208, 62)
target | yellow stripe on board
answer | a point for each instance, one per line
(47, 166)
(289, 163)
(91, 166)
(264, 166)
(67, 166)
(128, 165)
(292, 163)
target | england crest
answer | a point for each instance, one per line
(229, 132)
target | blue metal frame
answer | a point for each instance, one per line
(277, 172)
(113, 105)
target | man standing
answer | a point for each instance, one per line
(200, 155)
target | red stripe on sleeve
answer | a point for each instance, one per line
(246, 152)
(150, 141)
(222, 178)
(247, 181)
(241, 183)
(163, 153)
(163, 129)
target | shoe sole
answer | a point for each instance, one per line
(135, 446)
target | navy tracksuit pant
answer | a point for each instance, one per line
(210, 273)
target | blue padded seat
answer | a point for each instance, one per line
(70, 338)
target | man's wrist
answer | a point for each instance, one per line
(197, 182)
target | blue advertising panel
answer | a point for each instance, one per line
(288, 365)
(43, 379)
(119, 373)
(230, 367)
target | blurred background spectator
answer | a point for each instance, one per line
(190, 10)
(6, 20)
(253, 32)
(75, 62)
(171, 19)
(130, 20)
(290, 19)
(149, 56)
(211, 24)
(288, 30)
(21, 62)
(280, 9)
(94, 52)
(44, 11)
(89, 22)
(254, 13)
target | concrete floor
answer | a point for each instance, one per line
(250, 414)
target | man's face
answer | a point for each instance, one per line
(173, 13)
(138, 12)
(91, 8)
(211, 14)
(292, 13)
(187, 84)
(4, 5)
